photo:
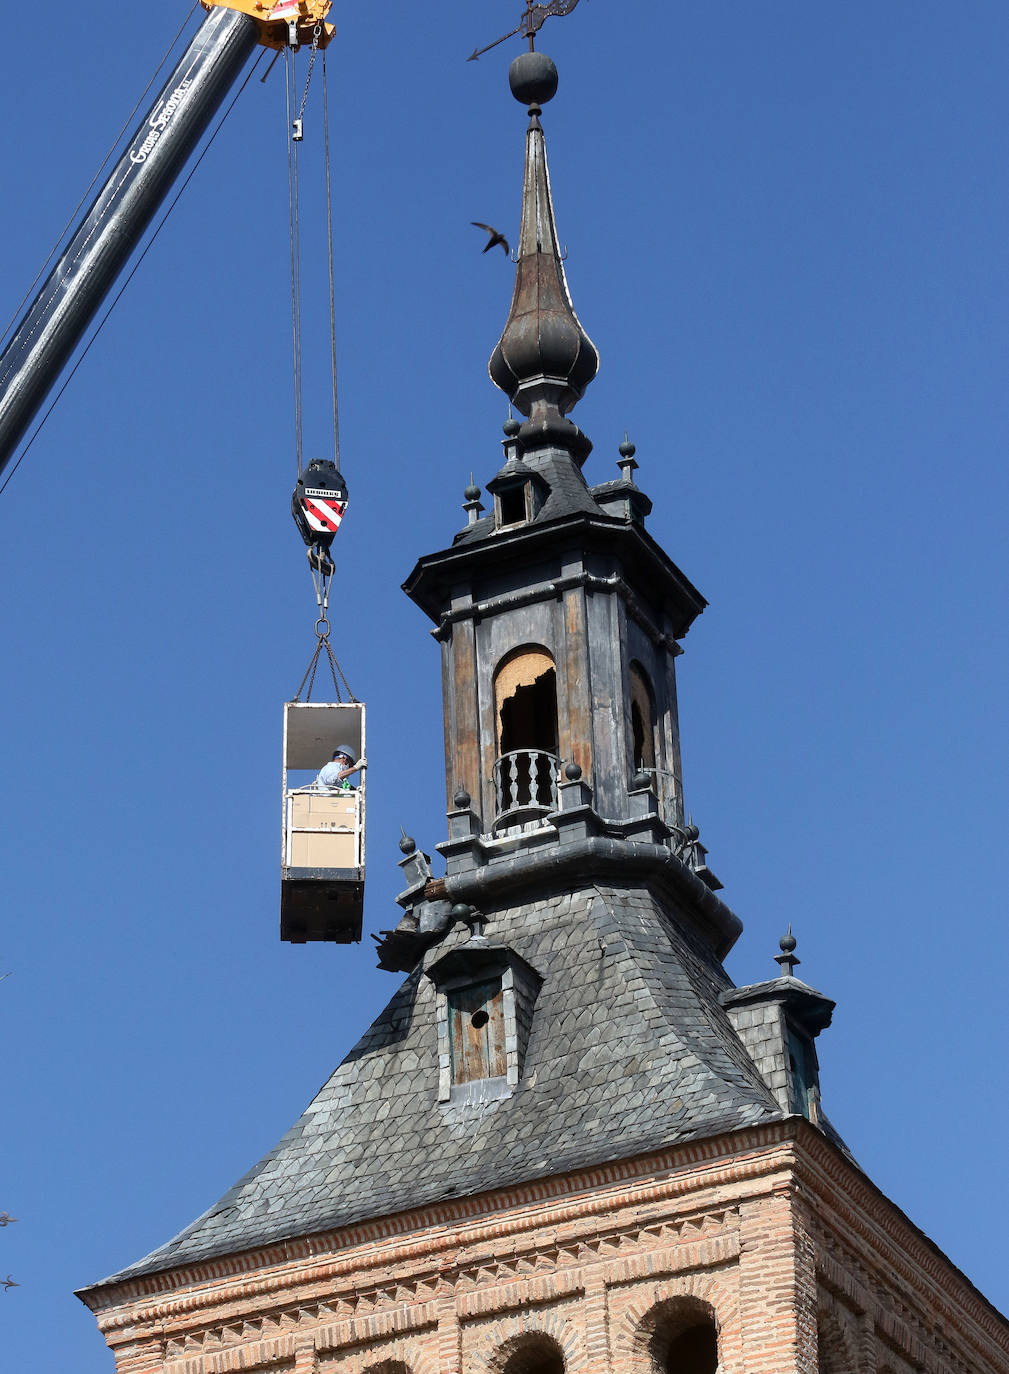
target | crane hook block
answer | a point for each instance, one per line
(319, 503)
(283, 23)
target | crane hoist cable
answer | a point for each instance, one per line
(329, 246)
(319, 502)
(101, 167)
(294, 198)
(129, 276)
(295, 124)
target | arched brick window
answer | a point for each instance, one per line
(532, 1353)
(683, 1337)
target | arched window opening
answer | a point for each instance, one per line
(535, 1353)
(694, 1351)
(525, 697)
(525, 690)
(684, 1338)
(642, 719)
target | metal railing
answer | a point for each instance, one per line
(525, 778)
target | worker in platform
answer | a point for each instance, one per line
(334, 776)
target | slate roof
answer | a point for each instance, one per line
(630, 1051)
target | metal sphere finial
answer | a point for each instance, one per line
(787, 959)
(532, 77)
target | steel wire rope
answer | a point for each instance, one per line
(293, 198)
(129, 277)
(101, 167)
(320, 579)
(329, 245)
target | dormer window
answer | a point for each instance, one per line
(512, 505)
(518, 493)
(778, 1022)
(476, 1031)
(485, 1004)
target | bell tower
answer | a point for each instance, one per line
(569, 1144)
(559, 617)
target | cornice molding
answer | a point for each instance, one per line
(844, 1191)
(435, 1245)
(740, 1159)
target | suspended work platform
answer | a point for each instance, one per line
(322, 856)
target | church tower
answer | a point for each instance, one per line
(569, 1145)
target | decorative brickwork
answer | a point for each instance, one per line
(772, 1234)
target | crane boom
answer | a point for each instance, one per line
(113, 225)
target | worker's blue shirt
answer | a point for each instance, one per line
(329, 776)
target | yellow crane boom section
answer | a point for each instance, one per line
(275, 18)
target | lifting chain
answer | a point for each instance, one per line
(298, 125)
(321, 578)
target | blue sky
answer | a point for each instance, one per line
(786, 233)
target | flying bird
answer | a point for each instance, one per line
(8, 1282)
(495, 237)
(6, 1218)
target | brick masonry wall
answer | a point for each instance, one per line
(802, 1265)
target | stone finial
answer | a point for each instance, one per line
(787, 959)
(407, 843)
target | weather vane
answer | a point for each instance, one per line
(530, 24)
